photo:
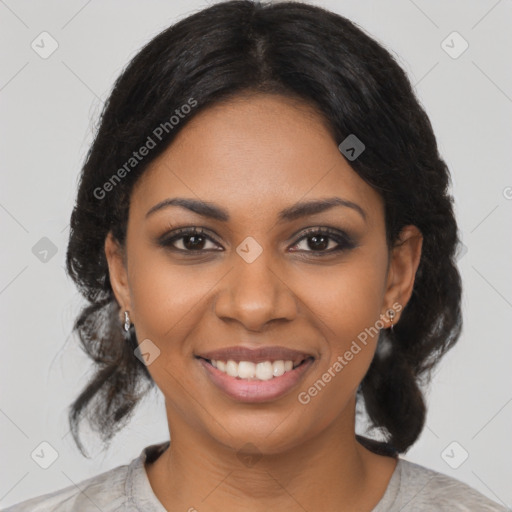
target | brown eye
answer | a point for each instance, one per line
(324, 240)
(188, 240)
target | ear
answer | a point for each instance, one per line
(404, 261)
(116, 260)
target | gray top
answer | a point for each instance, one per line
(412, 488)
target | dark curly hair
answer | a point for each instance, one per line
(308, 53)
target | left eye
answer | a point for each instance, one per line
(319, 240)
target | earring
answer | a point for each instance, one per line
(127, 322)
(391, 314)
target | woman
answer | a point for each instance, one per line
(263, 230)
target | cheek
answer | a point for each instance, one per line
(167, 299)
(348, 305)
(347, 302)
(347, 298)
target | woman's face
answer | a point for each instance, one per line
(255, 277)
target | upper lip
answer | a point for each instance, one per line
(256, 355)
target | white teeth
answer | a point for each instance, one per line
(265, 370)
(246, 370)
(232, 368)
(278, 368)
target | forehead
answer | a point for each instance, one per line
(254, 154)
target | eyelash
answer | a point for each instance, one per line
(344, 241)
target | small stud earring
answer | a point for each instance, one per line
(391, 314)
(127, 322)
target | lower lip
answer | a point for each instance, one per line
(256, 390)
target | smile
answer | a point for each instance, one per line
(255, 382)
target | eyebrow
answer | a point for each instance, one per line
(298, 210)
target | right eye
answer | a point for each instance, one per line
(191, 239)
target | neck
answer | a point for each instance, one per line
(331, 471)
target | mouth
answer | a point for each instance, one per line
(263, 370)
(246, 381)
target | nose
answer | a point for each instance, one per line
(255, 294)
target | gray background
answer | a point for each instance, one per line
(49, 109)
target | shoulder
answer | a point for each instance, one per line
(105, 492)
(122, 489)
(422, 488)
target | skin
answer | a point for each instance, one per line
(254, 156)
